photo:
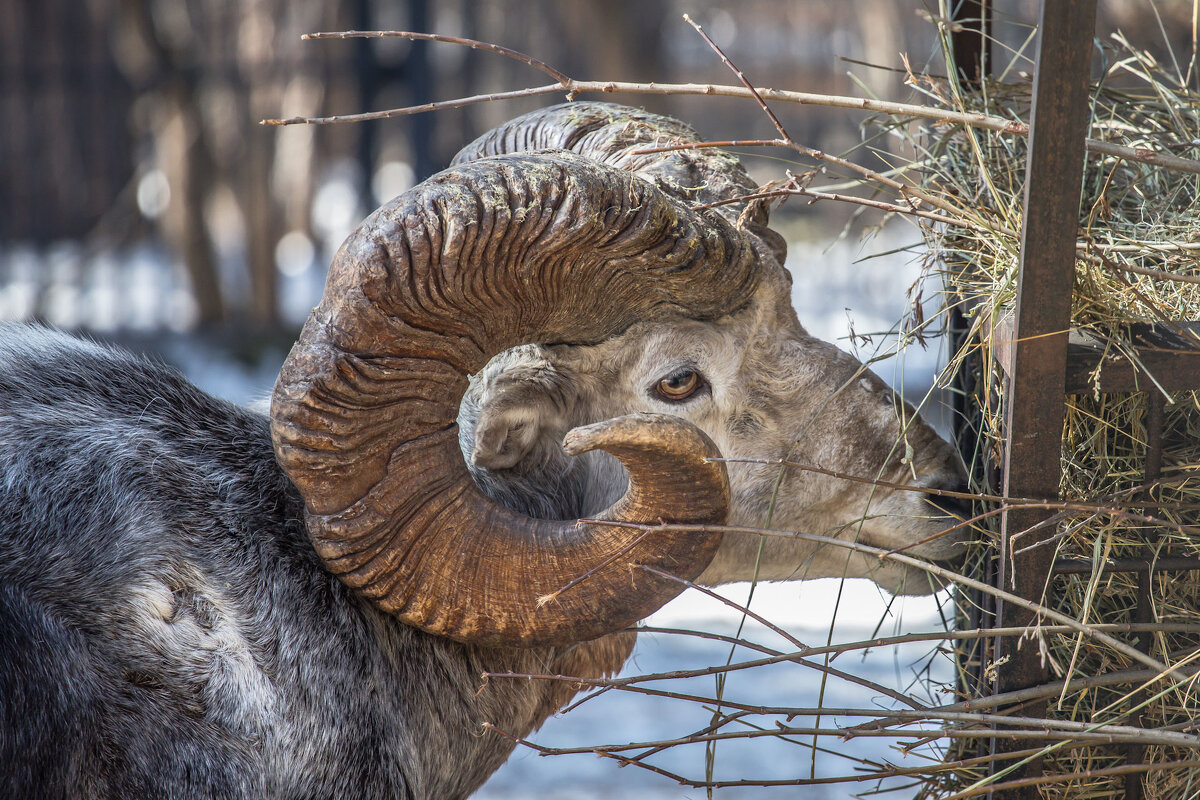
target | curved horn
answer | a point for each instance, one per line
(549, 248)
(614, 134)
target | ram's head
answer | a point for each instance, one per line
(604, 292)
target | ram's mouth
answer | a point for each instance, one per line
(951, 505)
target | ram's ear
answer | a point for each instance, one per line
(524, 400)
(504, 436)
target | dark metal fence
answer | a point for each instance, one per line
(1044, 361)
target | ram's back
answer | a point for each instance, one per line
(167, 630)
(128, 504)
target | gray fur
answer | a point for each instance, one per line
(167, 629)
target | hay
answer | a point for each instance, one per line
(1138, 224)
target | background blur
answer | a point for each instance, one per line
(141, 202)
(139, 195)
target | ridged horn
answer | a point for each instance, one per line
(615, 135)
(548, 248)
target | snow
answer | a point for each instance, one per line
(804, 610)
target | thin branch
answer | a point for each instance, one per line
(1052, 731)
(958, 635)
(1083, 247)
(645, 151)
(845, 198)
(474, 44)
(719, 637)
(1093, 506)
(933, 569)
(546, 598)
(440, 105)
(1067, 777)
(738, 607)
(797, 657)
(573, 88)
(1152, 273)
(741, 76)
(1168, 738)
(890, 208)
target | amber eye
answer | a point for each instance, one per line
(679, 385)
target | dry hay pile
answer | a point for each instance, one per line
(1139, 225)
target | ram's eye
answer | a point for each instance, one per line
(679, 385)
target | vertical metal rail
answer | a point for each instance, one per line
(971, 39)
(1037, 381)
(971, 46)
(1134, 753)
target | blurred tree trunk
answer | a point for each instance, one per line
(617, 40)
(183, 155)
(250, 165)
(263, 228)
(188, 165)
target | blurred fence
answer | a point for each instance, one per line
(130, 145)
(138, 191)
(57, 179)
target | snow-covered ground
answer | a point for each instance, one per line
(805, 611)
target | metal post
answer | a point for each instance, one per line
(1135, 784)
(1034, 411)
(971, 50)
(971, 40)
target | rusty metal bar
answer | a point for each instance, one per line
(1034, 410)
(971, 51)
(1155, 409)
(1135, 785)
(1170, 353)
(1081, 566)
(1175, 366)
(1037, 385)
(971, 43)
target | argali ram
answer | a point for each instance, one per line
(199, 601)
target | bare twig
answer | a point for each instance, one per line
(1147, 271)
(573, 88)
(1101, 505)
(741, 76)
(546, 598)
(1067, 777)
(474, 44)
(797, 657)
(941, 572)
(955, 635)
(738, 607)
(440, 105)
(1052, 730)
(844, 198)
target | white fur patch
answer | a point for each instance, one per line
(197, 635)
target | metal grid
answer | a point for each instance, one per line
(1044, 360)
